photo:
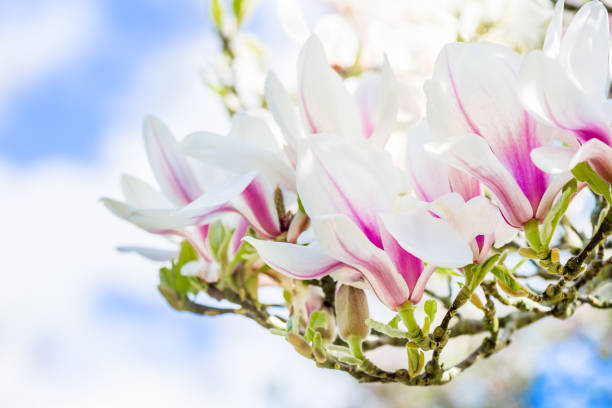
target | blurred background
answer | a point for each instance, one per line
(83, 325)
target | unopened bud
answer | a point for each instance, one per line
(554, 255)
(299, 344)
(352, 312)
(329, 332)
(298, 224)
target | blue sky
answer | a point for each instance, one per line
(64, 114)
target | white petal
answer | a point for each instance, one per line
(142, 195)
(584, 49)
(599, 156)
(552, 41)
(154, 254)
(292, 19)
(333, 176)
(239, 157)
(553, 159)
(285, 114)
(378, 101)
(429, 238)
(170, 166)
(551, 95)
(325, 103)
(298, 261)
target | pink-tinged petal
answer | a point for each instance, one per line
(332, 177)
(239, 157)
(378, 100)
(325, 103)
(473, 90)
(154, 254)
(553, 159)
(431, 178)
(556, 184)
(470, 153)
(236, 240)
(584, 49)
(285, 114)
(170, 167)
(140, 194)
(417, 293)
(297, 261)
(433, 240)
(598, 155)
(343, 240)
(477, 216)
(408, 265)
(504, 234)
(256, 204)
(428, 175)
(552, 41)
(247, 195)
(551, 95)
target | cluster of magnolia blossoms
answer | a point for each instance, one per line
(370, 217)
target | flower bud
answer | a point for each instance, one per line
(329, 333)
(352, 312)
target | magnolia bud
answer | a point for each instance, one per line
(298, 224)
(329, 333)
(352, 312)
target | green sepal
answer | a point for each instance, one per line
(505, 276)
(584, 172)
(474, 274)
(556, 212)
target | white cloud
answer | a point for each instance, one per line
(36, 40)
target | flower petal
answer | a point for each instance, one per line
(332, 177)
(551, 95)
(285, 114)
(378, 100)
(170, 167)
(554, 32)
(599, 156)
(433, 240)
(325, 103)
(471, 154)
(342, 239)
(473, 90)
(553, 159)
(142, 195)
(419, 289)
(154, 254)
(297, 261)
(239, 157)
(584, 49)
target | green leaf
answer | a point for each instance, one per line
(395, 321)
(584, 172)
(187, 254)
(414, 357)
(478, 272)
(318, 320)
(388, 330)
(216, 11)
(507, 279)
(447, 272)
(300, 205)
(556, 212)
(216, 236)
(431, 307)
(241, 9)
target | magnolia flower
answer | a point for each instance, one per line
(453, 196)
(566, 85)
(348, 190)
(326, 106)
(481, 128)
(171, 211)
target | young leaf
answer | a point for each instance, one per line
(584, 172)
(216, 236)
(556, 212)
(505, 277)
(216, 11)
(431, 307)
(318, 320)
